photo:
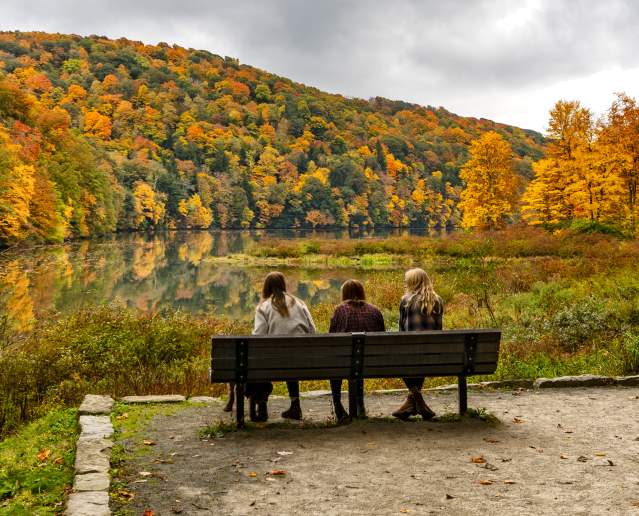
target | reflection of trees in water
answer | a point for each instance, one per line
(149, 272)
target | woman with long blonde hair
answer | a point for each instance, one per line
(421, 308)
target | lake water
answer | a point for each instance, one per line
(152, 272)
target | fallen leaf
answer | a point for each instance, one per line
(43, 454)
(59, 461)
(581, 458)
(148, 442)
(635, 504)
(517, 420)
(123, 493)
(563, 456)
(122, 416)
(491, 440)
(509, 482)
(278, 472)
(600, 454)
(145, 473)
(477, 459)
(506, 459)
(486, 482)
(284, 453)
(148, 512)
(404, 511)
(252, 474)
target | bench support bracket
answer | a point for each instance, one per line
(241, 370)
(462, 390)
(357, 370)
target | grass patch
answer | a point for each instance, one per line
(36, 465)
(480, 414)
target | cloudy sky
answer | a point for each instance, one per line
(508, 60)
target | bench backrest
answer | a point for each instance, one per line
(354, 355)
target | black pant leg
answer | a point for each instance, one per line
(414, 383)
(336, 390)
(293, 389)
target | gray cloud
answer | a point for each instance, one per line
(427, 51)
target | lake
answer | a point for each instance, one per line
(154, 272)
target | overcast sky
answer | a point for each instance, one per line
(507, 60)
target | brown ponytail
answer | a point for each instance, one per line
(275, 289)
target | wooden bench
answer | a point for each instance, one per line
(352, 356)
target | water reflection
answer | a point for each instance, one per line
(151, 273)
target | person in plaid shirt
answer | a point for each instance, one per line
(354, 314)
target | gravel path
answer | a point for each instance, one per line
(570, 451)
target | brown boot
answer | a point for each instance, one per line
(407, 409)
(295, 410)
(421, 407)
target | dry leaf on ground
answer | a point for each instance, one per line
(486, 482)
(491, 440)
(43, 454)
(404, 511)
(509, 482)
(478, 459)
(59, 461)
(148, 442)
(122, 416)
(148, 512)
(252, 474)
(517, 420)
(125, 494)
(563, 456)
(278, 472)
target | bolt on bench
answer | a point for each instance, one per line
(351, 356)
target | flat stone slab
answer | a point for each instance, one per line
(204, 399)
(584, 380)
(88, 503)
(92, 482)
(91, 460)
(628, 381)
(167, 398)
(94, 404)
(97, 427)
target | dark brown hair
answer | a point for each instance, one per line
(353, 291)
(275, 289)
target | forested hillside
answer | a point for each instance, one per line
(98, 135)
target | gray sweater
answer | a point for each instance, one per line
(268, 320)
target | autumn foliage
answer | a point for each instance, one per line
(99, 135)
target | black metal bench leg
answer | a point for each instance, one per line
(352, 398)
(462, 390)
(239, 404)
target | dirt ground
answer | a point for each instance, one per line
(554, 451)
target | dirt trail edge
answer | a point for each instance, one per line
(572, 451)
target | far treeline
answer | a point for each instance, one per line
(100, 135)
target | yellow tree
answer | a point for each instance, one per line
(490, 183)
(195, 214)
(621, 132)
(148, 205)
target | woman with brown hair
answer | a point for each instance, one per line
(420, 309)
(280, 313)
(353, 315)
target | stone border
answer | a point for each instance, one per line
(90, 496)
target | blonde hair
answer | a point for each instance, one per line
(420, 291)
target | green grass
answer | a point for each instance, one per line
(31, 485)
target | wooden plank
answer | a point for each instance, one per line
(425, 359)
(416, 348)
(222, 375)
(428, 370)
(298, 374)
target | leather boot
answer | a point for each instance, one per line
(421, 407)
(407, 409)
(294, 411)
(340, 412)
(262, 411)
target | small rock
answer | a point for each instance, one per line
(166, 398)
(96, 427)
(628, 381)
(95, 405)
(204, 399)
(88, 503)
(92, 482)
(584, 380)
